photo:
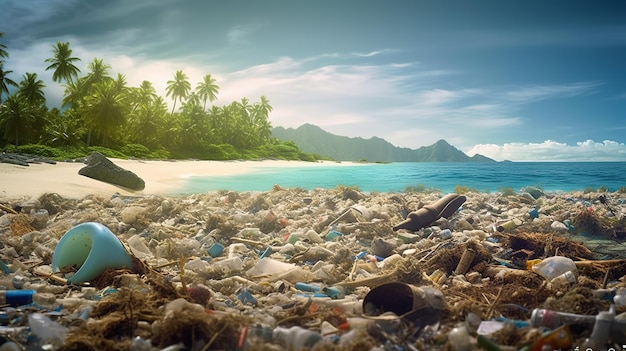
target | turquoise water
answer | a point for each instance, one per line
(485, 177)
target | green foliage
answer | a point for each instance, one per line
(10, 148)
(160, 153)
(136, 151)
(306, 157)
(106, 152)
(220, 152)
(37, 149)
(71, 152)
(621, 190)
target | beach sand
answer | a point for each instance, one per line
(161, 177)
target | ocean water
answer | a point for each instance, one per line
(396, 177)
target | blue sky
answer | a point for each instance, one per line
(518, 80)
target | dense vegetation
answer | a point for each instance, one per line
(102, 113)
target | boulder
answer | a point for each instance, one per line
(101, 168)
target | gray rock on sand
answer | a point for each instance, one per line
(101, 168)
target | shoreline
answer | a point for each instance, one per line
(161, 177)
(175, 178)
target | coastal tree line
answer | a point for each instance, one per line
(102, 112)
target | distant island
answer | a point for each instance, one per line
(313, 139)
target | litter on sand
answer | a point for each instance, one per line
(291, 269)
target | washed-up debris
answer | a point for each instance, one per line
(323, 269)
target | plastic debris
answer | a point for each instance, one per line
(321, 268)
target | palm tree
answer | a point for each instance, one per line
(31, 90)
(63, 129)
(207, 89)
(3, 48)
(142, 96)
(144, 128)
(216, 115)
(74, 93)
(63, 63)
(245, 108)
(178, 88)
(5, 81)
(120, 83)
(98, 72)
(104, 110)
(264, 106)
(15, 118)
(260, 119)
(146, 92)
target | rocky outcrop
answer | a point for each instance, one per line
(23, 159)
(101, 168)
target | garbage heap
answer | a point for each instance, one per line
(291, 269)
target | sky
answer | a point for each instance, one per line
(529, 80)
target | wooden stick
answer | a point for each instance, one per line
(587, 263)
(7, 209)
(494, 304)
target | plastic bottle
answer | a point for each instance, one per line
(564, 280)
(460, 338)
(296, 338)
(601, 330)
(553, 319)
(253, 336)
(554, 266)
(620, 297)
(46, 329)
(229, 264)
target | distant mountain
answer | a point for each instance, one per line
(313, 139)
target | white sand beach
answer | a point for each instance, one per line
(161, 177)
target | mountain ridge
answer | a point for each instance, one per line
(313, 139)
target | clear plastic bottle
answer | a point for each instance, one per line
(460, 338)
(554, 266)
(601, 330)
(564, 281)
(296, 338)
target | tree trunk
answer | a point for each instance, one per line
(89, 136)
(173, 107)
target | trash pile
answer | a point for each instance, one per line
(291, 269)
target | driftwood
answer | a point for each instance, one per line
(7, 209)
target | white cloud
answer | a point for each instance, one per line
(550, 150)
(542, 92)
(373, 53)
